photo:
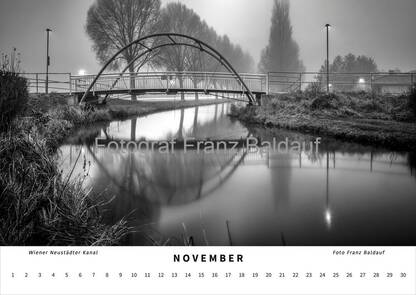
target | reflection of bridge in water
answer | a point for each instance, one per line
(324, 160)
(150, 182)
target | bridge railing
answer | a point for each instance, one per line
(164, 81)
(388, 82)
(57, 82)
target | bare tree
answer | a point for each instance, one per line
(177, 18)
(112, 24)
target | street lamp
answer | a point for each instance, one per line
(327, 56)
(48, 60)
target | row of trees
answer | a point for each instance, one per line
(353, 67)
(112, 24)
(351, 63)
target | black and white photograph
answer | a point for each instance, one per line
(207, 123)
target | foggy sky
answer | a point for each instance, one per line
(383, 29)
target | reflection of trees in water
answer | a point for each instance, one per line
(220, 127)
(179, 134)
(197, 130)
(280, 172)
(411, 161)
(195, 124)
(374, 160)
(333, 146)
(206, 129)
(133, 129)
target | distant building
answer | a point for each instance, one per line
(393, 82)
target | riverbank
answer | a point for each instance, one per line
(115, 109)
(386, 121)
(120, 109)
(38, 204)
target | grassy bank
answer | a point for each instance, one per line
(38, 205)
(380, 120)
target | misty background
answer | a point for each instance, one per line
(381, 29)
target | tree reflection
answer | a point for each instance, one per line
(179, 134)
(133, 129)
(195, 124)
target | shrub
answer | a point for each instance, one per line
(325, 101)
(13, 97)
(314, 89)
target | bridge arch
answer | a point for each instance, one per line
(196, 43)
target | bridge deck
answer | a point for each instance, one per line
(168, 91)
(169, 83)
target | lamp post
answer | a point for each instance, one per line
(327, 56)
(48, 60)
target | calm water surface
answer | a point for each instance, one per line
(345, 194)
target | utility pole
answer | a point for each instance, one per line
(48, 60)
(327, 57)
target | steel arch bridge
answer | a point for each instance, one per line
(231, 84)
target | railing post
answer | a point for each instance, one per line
(371, 82)
(93, 89)
(412, 81)
(70, 83)
(37, 83)
(268, 83)
(300, 81)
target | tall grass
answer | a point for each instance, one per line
(352, 105)
(382, 120)
(39, 207)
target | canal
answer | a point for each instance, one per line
(340, 194)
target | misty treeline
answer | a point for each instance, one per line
(112, 24)
(352, 66)
(282, 52)
(351, 63)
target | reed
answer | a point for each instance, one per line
(37, 207)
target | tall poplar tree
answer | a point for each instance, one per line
(282, 52)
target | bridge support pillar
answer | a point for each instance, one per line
(89, 99)
(258, 99)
